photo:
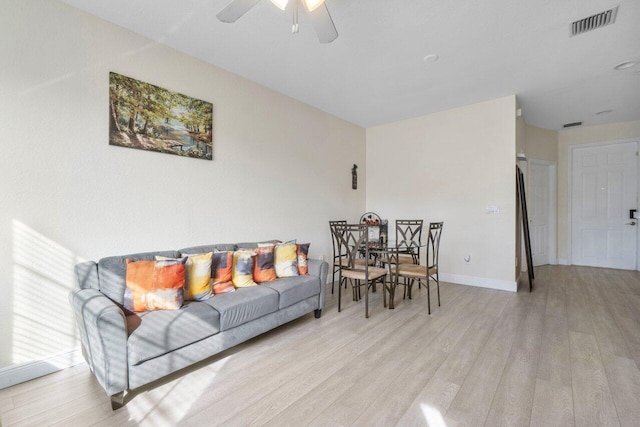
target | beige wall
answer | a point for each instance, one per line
(520, 148)
(541, 144)
(449, 166)
(576, 136)
(281, 169)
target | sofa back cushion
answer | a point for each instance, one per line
(221, 247)
(253, 245)
(112, 272)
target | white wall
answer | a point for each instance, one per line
(577, 136)
(448, 166)
(281, 169)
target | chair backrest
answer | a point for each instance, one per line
(409, 232)
(433, 244)
(334, 239)
(353, 240)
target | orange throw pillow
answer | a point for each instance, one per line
(221, 268)
(263, 268)
(154, 285)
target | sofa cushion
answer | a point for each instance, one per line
(294, 289)
(244, 305)
(253, 245)
(220, 247)
(155, 333)
(112, 272)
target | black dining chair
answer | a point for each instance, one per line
(353, 243)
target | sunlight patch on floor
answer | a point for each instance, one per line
(432, 416)
(169, 404)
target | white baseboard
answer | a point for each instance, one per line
(16, 374)
(482, 282)
(563, 261)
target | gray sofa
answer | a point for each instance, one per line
(127, 350)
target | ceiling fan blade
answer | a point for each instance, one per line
(235, 10)
(323, 24)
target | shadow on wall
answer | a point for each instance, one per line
(42, 325)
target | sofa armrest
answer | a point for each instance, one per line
(319, 269)
(103, 334)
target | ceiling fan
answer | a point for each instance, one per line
(316, 9)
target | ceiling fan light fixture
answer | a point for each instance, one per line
(312, 5)
(625, 65)
(282, 4)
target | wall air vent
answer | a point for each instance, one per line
(594, 21)
(570, 125)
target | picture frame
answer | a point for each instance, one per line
(147, 117)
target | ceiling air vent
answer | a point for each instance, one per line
(570, 125)
(593, 22)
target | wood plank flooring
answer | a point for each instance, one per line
(566, 354)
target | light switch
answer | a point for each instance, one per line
(492, 209)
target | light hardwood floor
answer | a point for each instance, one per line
(566, 354)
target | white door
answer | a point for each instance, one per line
(604, 189)
(541, 212)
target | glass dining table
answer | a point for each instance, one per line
(391, 253)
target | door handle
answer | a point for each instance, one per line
(631, 223)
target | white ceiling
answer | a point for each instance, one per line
(374, 72)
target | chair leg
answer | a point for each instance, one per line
(384, 293)
(333, 281)
(366, 300)
(428, 295)
(340, 295)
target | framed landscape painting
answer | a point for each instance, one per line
(148, 117)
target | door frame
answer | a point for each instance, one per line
(571, 149)
(553, 208)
